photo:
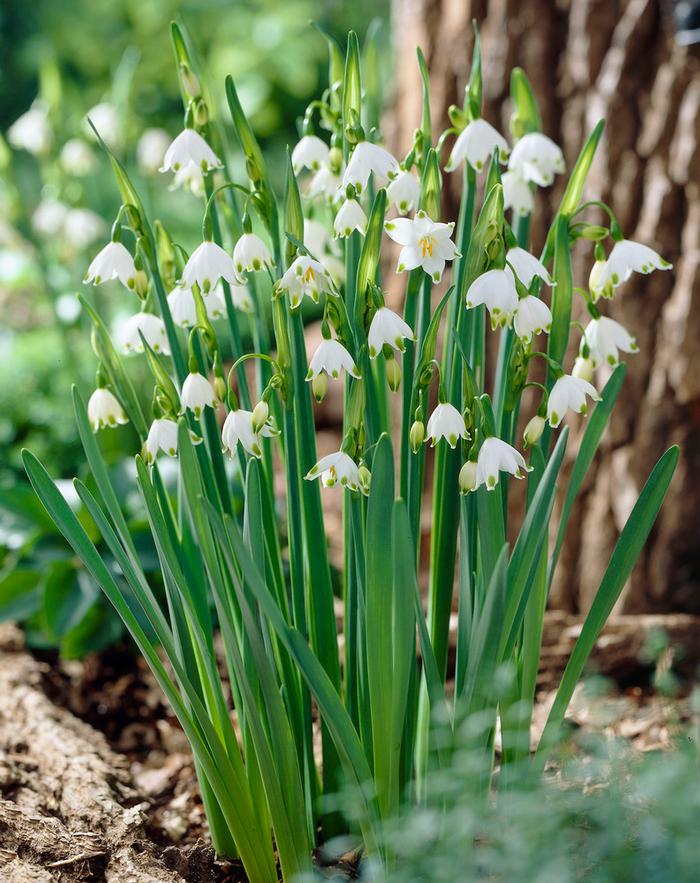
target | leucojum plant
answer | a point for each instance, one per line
(369, 703)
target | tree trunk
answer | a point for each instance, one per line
(589, 59)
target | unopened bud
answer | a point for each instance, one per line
(583, 368)
(364, 477)
(190, 82)
(417, 435)
(201, 114)
(220, 388)
(261, 412)
(595, 232)
(141, 284)
(393, 374)
(335, 159)
(594, 280)
(467, 477)
(319, 386)
(533, 431)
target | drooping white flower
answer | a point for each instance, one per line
(113, 262)
(337, 468)
(105, 118)
(476, 144)
(183, 307)
(350, 217)
(425, 242)
(207, 264)
(527, 267)
(536, 158)
(532, 316)
(325, 184)
(331, 357)
(82, 226)
(215, 303)
(151, 149)
(305, 277)
(162, 436)
(104, 409)
(189, 177)
(533, 431)
(497, 456)
(240, 295)
(446, 422)
(369, 159)
(627, 257)
(317, 238)
(387, 328)
(310, 153)
(49, 217)
(583, 368)
(31, 131)
(238, 427)
(190, 147)
(517, 194)
(495, 289)
(250, 254)
(77, 157)
(569, 392)
(404, 192)
(197, 393)
(605, 338)
(467, 477)
(151, 327)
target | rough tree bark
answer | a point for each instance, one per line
(589, 59)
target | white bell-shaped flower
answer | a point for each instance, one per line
(81, 227)
(113, 262)
(496, 290)
(104, 410)
(605, 338)
(151, 327)
(331, 357)
(250, 254)
(197, 393)
(105, 118)
(305, 277)
(350, 217)
(496, 456)
(162, 436)
(532, 316)
(190, 147)
(189, 177)
(77, 157)
(527, 267)
(517, 194)
(207, 264)
(31, 131)
(317, 238)
(240, 295)
(387, 328)
(151, 149)
(310, 153)
(369, 159)
(404, 192)
(183, 308)
(537, 159)
(627, 257)
(338, 468)
(446, 422)
(583, 368)
(569, 392)
(324, 184)
(476, 145)
(238, 427)
(426, 243)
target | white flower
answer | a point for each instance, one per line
(536, 158)
(82, 226)
(240, 295)
(190, 147)
(105, 118)
(151, 327)
(49, 217)
(627, 257)
(446, 422)
(605, 338)
(104, 409)
(476, 144)
(527, 267)
(583, 368)
(316, 237)
(215, 303)
(532, 316)
(238, 427)
(197, 393)
(533, 431)
(325, 183)
(183, 307)
(310, 153)
(368, 159)
(31, 131)
(77, 157)
(251, 254)
(387, 328)
(162, 436)
(331, 357)
(404, 192)
(113, 262)
(517, 194)
(497, 456)
(569, 392)
(426, 244)
(495, 289)
(207, 264)
(350, 217)
(150, 150)
(337, 468)
(304, 277)
(189, 177)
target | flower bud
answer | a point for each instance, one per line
(417, 435)
(190, 81)
(364, 478)
(594, 281)
(220, 388)
(583, 368)
(533, 431)
(335, 159)
(319, 386)
(141, 284)
(594, 232)
(201, 114)
(261, 413)
(467, 477)
(393, 374)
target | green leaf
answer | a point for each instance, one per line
(371, 247)
(574, 188)
(68, 596)
(352, 83)
(20, 594)
(526, 117)
(562, 293)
